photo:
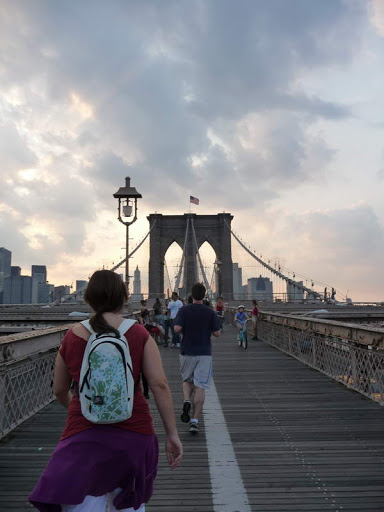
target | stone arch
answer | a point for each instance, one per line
(172, 228)
(209, 258)
(172, 258)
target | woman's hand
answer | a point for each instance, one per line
(173, 450)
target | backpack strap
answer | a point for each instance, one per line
(125, 326)
(87, 325)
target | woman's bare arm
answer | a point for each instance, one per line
(62, 382)
(154, 373)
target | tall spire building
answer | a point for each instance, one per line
(137, 295)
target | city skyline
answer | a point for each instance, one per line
(269, 110)
(247, 287)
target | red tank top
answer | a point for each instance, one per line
(72, 351)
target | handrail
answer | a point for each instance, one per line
(26, 373)
(350, 354)
(364, 336)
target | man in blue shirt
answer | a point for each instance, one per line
(197, 322)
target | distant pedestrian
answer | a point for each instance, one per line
(158, 311)
(255, 314)
(197, 323)
(99, 467)
(240, 319)
(144, 313)
(220, 310)
(206, 302)
(166, 320)
(173, 306)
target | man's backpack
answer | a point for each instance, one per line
(106, 386)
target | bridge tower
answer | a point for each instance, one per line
(172, 228)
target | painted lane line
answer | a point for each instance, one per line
(228, 491)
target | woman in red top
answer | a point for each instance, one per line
(220, 310)
(107, 467)
(255, 313)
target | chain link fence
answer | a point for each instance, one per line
(25, 388)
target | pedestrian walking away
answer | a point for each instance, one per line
(106, 459)
(197, 323)
(173, 306)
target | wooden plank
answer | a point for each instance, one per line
(302, 441)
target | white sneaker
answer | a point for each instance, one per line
(193, 427)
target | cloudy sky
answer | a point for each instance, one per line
(272, 110)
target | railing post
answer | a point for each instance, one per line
(2, 403)
(354, 372)
(314, 357)
(289, 341)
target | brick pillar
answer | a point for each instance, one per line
(225, 256)
(156, 259)
(190, 264)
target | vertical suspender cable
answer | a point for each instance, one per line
(276, 273)
(178, 277)
(135, 249)
(209, 291)
(169, 280)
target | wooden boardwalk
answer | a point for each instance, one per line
(302, 441)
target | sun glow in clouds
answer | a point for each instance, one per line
(81, 107)
(37, 229)
(377, 16)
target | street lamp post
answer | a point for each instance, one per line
(126, 195)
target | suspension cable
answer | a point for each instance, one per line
(178, 277)
(135, 249)
(169, 280)
(277, 273)
(212, 278)
(209, 291)
(81, 292)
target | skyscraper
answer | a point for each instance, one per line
(5, 267)
(137, 295)
(294, 293)
(45, 295)
(81, 285)
(39, 277)
(260, 288)
(39, 272)
(237, 281)
(17, 288)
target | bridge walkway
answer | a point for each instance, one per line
(280, 437)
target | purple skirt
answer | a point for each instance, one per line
(95, 462)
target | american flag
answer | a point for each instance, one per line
(193, 200)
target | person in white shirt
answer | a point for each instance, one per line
(174, 305)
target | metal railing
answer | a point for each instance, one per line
(348, 354)
(26, 383)
(358, 367)
(25, 388)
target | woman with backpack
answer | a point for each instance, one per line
(100, 466)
